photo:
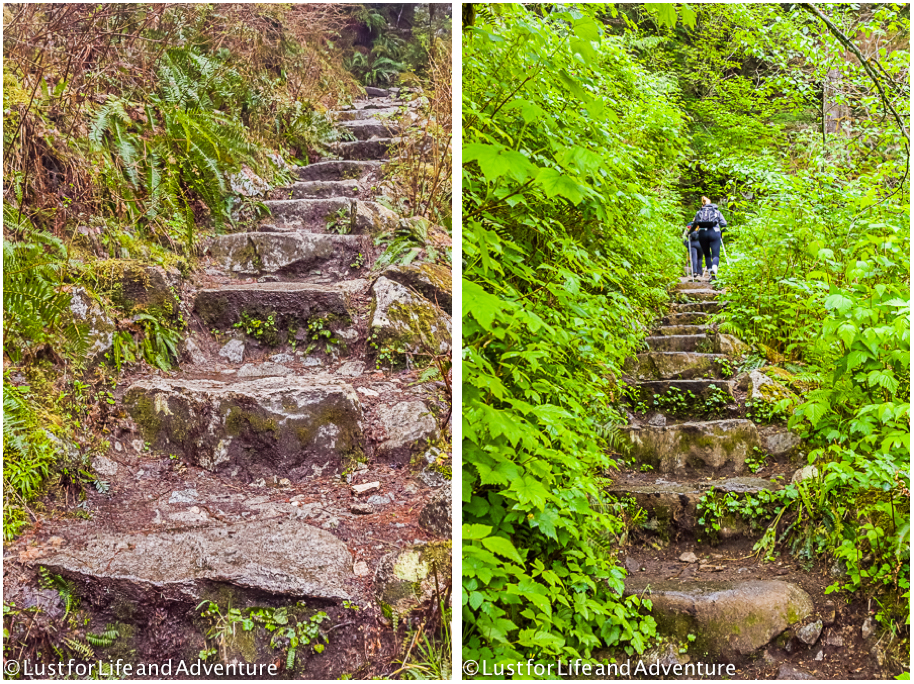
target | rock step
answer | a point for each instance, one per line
(672, 507)
(336, 170)
(696, 307)
(291, 304)
(687, 285)
(339, 215)
(256, 428)
(690, 318)
(371, 91)
(280, 557)
(668, 330)
(702, 295)
(712, 447)
(289, 253)
(682, 343)
(366, 149)
(700, 388)
(728, 620)
(366, 129)
(323, 189)
(362, 114)
(674, 365)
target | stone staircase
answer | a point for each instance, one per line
(237, 478)
(714, 601)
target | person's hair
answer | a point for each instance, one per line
(705, 200)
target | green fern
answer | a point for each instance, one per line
(105, 639)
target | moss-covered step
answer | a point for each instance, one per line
(323, 189)
(672, 507)
(366, 149)
(681, 343)
(714, 447)
(667, 330)
(696, 307)
(404, 323)
(687, 318)
(432, 281)
(728, 620)
(361, 114)
(674, 365)
(258, 428)
(366, 129)
(700, 388)
(290, 304)
(276, 557)
(336, 170)
(702, 295)
(288, 253)
(136, 287)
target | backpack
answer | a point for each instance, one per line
(707, 216)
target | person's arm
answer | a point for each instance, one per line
(722, 222)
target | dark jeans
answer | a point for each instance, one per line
(710, 245)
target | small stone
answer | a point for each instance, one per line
(828, 613)
(233, 351)
(838, 568)
(657, 420)
(833, 639)
(711, 568)
(352, 369)
(435, 517)
(138, 445)
(311, 362)
(104, 466)
(183, 496)
(361, 569)
(367, 392)
(362, 508)
(118, 447)
(807, 473)
(820, 655)
(632, 565)
(56, 542)
(787, 671)
(362, 488)
(809, 634)
(194, 353)
(282, 358)
(259, 482)
(868, 628)
(878, 655)
(380, 499)
(688, 557)
(285, 482)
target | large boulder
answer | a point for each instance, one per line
(136, 287)
(274, 425)
(98, 326)
(372, 218)
(713, 446)
(404, 323)
(435, 516)
(729, 619)
(412, 579)
(276, 556)
(778, 441)
(730, 345)
(765, 390)
(432, 281)
(408, 425)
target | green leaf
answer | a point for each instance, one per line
(503, 547)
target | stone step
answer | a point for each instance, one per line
(366, 129)
(681, 343)
(365, 149)
(277, 557)
(701, 389)
(256, 428)
(728, 620)
(688, 318)
(687, 285)
(702, 295)
(336, 170)
(290, 304)
(362, 114)
(669, 330)
(371, 91)
(713, 447)
(696, 307)
(323, 189)
(290, 253)
(672, 507)
(339, 215)
(674, 365)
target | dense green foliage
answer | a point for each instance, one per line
(565, 135)
(589, 134)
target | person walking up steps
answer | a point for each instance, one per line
(711, 223)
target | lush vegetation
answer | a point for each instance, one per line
(590, 133)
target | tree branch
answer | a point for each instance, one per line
(846, 42)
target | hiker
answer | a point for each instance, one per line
(690, 240)
(711, 223)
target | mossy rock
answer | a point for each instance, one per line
(432, 281)
(412, 579)
(403, 323)
(135, 287)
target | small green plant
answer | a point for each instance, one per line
(261, 330)
(766, 412)
(725, 367)
(676, 401)
(320, 334)
(358, 262)
(646, 467)
(757, 460)
(339, 222)
(716, 401)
